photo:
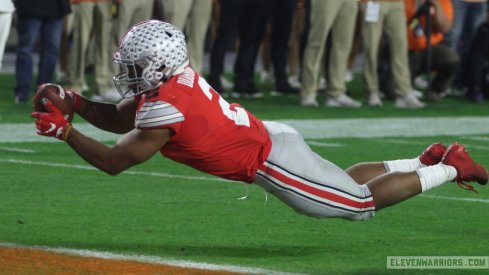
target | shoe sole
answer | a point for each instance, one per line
(479, 180)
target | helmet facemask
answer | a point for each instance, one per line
(131, 81)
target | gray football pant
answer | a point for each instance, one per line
(308, 183)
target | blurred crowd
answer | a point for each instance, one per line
(411, 50)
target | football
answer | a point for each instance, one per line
(57, 95)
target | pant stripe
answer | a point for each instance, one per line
(268, 164)
(316, 193)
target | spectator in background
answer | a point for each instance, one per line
(253, 17)
(275, 48)
(477, 64)
(6, 10)
(246, 19)
(387, 16)
(444, 59)
(224, 40)
(192, 16)
(294, 54)
(92, 19)
(43, 18)
(356, 47)
(468, 16)
(265, 74)
(64, 48)
(326, 15)
(281, 13)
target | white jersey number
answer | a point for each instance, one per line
(238, 115)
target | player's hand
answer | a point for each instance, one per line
(53, 123)
(75, 99)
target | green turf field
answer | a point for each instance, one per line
(50, 197)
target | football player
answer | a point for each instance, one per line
(169, 108)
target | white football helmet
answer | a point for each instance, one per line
(149, 54)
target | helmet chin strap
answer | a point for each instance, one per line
(169, 72)
(180, 69)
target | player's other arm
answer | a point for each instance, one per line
(108, 117)
(132, 148)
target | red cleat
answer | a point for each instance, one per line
(433, 154)
(467, 169)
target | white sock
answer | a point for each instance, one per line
(435, 175)
(403, 165)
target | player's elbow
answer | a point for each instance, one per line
(116, 164)
(115, 168)
(112, 170)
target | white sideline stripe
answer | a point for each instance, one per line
(18, 150)
(325, 144)
(86, 167)
(403, 141)
(310, 129)
(454, 198)
(144, 259)
(477, 138)
(391, 127)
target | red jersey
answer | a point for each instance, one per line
(210, 134)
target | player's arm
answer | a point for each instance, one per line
(109, 117)
(132, 148)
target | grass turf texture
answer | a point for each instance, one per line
(202, 220)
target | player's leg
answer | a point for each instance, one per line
(316, 187)
(392, 188)
(366, 171)
(455, 164)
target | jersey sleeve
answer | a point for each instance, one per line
(158, 114)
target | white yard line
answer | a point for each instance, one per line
(87, 167)
(325, 144)
(403, 141)
(17, 150)
(26, 132)
(144, 259)
(454, 198)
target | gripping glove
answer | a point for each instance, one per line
(53, 123)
